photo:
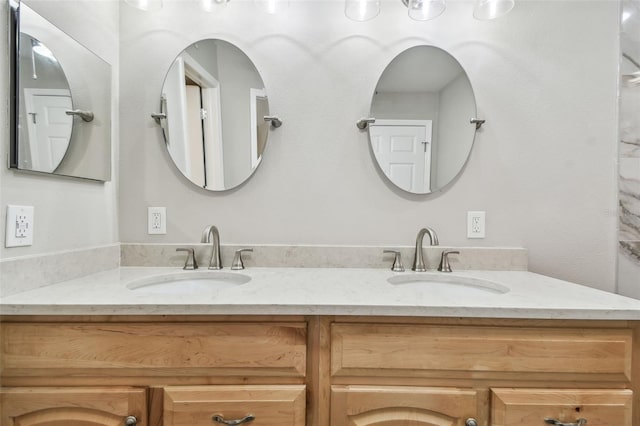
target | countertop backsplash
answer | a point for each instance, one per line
(308, 256)
(29, 272)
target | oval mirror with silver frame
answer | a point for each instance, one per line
(424, 124)
(214, 114)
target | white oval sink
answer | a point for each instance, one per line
(189, 282)
(446, 282)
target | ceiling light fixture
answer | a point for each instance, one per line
(424, 10)
(492, 9)
(210, 5)
(361, 10)
(272, 6)
(147, 5)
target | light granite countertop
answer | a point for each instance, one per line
(326, 291)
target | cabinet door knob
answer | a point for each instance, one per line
(471, 422)
(130, 421)
(220, 419)
(579, 422)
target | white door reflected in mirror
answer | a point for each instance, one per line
(403, 151)
(48, 127)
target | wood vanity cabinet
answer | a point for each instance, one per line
(318, 371)
(461, 372)
(188, 370)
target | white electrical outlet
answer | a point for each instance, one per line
(475, 224)
(19, 229)
(156, 220)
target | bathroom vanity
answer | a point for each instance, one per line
(282, 349)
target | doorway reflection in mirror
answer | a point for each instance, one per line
(215, 103)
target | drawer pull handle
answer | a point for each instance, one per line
(471, 422)
(579, 422)
(219, 419)
(130, 421)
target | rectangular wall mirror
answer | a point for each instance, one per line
(60, 101)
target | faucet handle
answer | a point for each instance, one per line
(237, 263)
(444, 260)
(397, 261)
(191, 256)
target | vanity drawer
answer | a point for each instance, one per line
(406, 350)
(530, 407)
(211, 405)
(153, 349)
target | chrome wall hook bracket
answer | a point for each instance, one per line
(157, 116)
(85, 115)
(478, 122)
(363, 123)
(275, 121)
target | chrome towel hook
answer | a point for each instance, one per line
(85, 115)
(275, 121)
(478, 122)
(158, 116)
(363, 123)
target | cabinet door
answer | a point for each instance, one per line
(266, 405)
(72, 406)
(406, 406)
(530, 407)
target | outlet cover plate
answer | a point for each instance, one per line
(476, 224)
(156, 220)
(19, 226)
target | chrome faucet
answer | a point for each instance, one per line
(211, 235)
(418, 260)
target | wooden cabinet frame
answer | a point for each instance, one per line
(308, 359)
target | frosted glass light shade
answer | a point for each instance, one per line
(210, 5)
(423, 10)
(361, 10)
(272, 6)
(147, 5)
(492, 9)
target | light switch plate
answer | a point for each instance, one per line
(19, 229)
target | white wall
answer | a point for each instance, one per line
(543, 167)
(69, 213)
